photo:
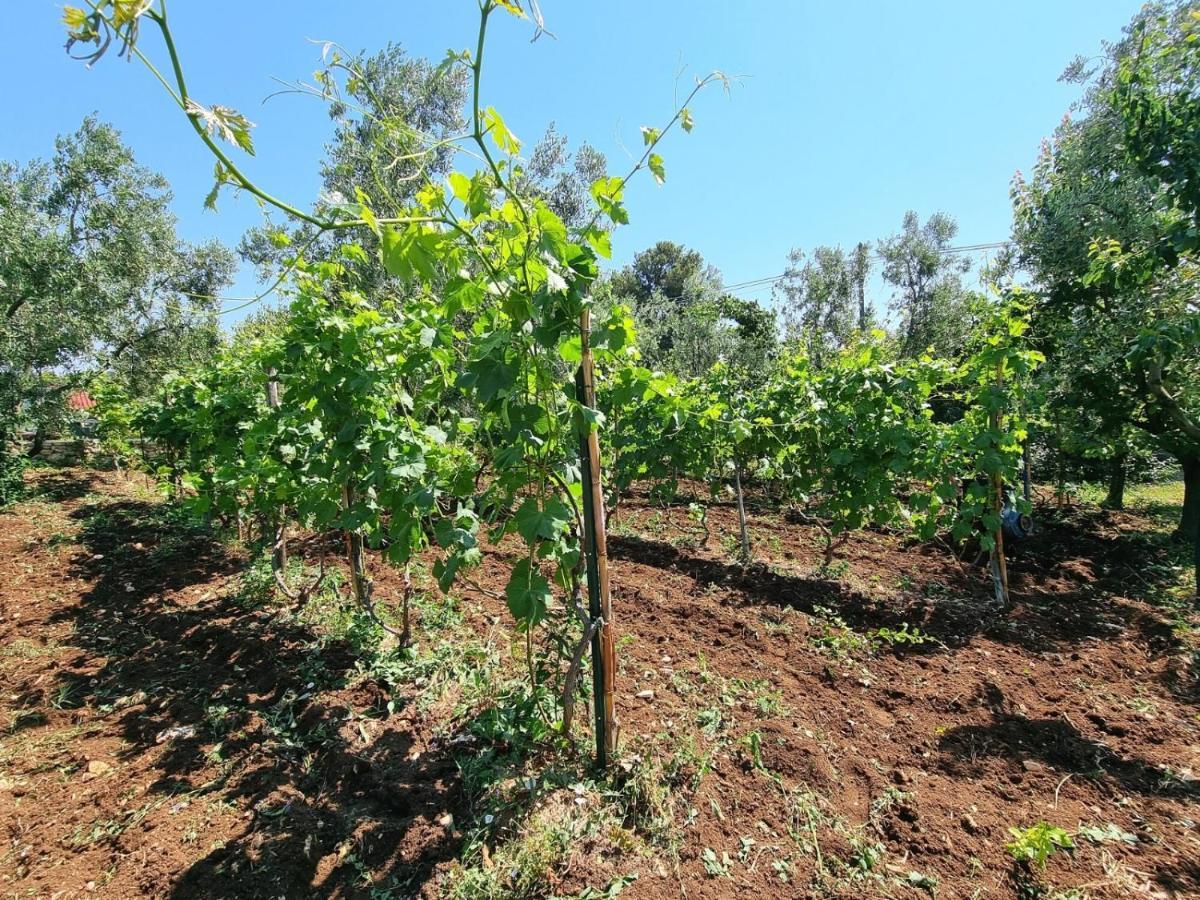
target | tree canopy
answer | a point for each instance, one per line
(94, 276)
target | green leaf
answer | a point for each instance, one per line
(600, 241)
(571, 350)
(492, 376)
(228, 124)
(451, 533)
(395, 255)
(607, 193)
(445, 570)
(409, 252)
(221, 177)
(494, 125)
(460, 184)
(649, 135)
(528, 594)
(656, 168)
(685, 119)
(545, 522)
(411, 463)
(365, 211)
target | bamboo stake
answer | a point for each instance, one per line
(604, 660)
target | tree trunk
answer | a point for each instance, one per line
(1196, 563)
(39, 441)
(1116, 484)
(1060, 488)
(1189, 520)
(861, 265)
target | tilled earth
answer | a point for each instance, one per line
(162, 737)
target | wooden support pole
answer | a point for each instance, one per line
(595, 543)
(279, 525)
(1026, 473)
(999, 565)
(741, 508)
(359, 581)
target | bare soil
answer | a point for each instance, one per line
(162, 737)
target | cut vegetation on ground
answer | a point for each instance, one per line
(171, 728)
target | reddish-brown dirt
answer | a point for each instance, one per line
(885, 771)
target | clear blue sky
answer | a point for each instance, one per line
(846, 114)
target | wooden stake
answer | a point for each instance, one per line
(595, 542)
(999, 565)
(1026, 473)
(279, 529)
(1060, 491)
(354, 552)
(406, 627)
(741, 508)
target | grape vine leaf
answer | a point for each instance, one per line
(545, 522)
(528, 594)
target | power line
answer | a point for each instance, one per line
(757, 283)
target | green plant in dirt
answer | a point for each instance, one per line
(846, 437)
(903, 635)
(648, 793)
(865, 856)
(833, 636)
(257, 584)
(523, 867)
(849, 444)
(922, 881)
(716, 867)
(711, 721)
(66, 696)
(782, 869)
(769, 703)
(610, 891)
(753, 745)
(698, 513)
(1106, 834)
(385, 405)
(12, 470)
(115, 413)
(835, 570)
(1036, 844)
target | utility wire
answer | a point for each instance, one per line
(770, 279)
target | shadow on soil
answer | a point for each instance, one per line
(1069, 586)
(181, 650)
(178, 647)
(1055, 742)
(64, 484)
